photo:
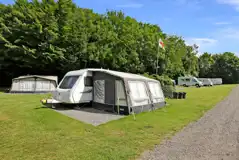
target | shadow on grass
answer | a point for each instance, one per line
(42, 107)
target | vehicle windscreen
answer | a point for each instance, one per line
(195, 80)
(68, 82)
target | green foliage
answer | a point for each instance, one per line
(54, 37)
(225, 66)
(168, 91)
(164, 79)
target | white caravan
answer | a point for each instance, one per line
(109, 89)
(189, 81)
(206, 81)
(216, 81)
(75, 87)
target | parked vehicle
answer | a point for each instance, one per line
(206, 81)
(216, 81)
(189, 81)
(109, 89)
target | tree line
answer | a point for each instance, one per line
(50, 37)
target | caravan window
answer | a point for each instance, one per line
(138, 90)
(155, 89)
(156, 92)
(139, 93)
(187, 79)
(88, 82)
(68, 82)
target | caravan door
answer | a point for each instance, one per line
(120, 96)
(88, 89)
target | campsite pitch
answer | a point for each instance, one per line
(89, 115)
(32, 132)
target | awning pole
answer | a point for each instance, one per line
(118, 104)
(133, 115)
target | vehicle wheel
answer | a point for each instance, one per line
(184, 85)
(197, 85)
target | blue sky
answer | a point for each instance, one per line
(212, 24)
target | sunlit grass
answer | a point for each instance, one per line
(28, 131)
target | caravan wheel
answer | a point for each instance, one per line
(197, 85)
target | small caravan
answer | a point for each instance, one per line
(189, 81)
(206, 81)
(34, 84)
(117, 91)
(216, 81)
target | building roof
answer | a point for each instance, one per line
(53, 78)
(111, 72)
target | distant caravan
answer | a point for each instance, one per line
(189, 81)
(206, 81)
(216, 81)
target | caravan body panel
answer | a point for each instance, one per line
(75, 88)
(216, 81)
(34, 84)
(206, 81)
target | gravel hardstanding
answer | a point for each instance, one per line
(213, 137)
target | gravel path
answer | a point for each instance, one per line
(214, 137)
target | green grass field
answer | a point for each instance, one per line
(29, 132)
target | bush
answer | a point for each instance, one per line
(168, 91)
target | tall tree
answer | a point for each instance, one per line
(53, 37)
(205, 63)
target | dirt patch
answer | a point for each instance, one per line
(117, 133)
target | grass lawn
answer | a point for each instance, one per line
(28, 131)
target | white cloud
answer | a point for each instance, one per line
(222, 23)
(234, 3)
(183, 2)
(236, 53)
(167, 19)
(228, 33)
(221, 40)
(192, 4)
(203, 43)
(130, 5)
